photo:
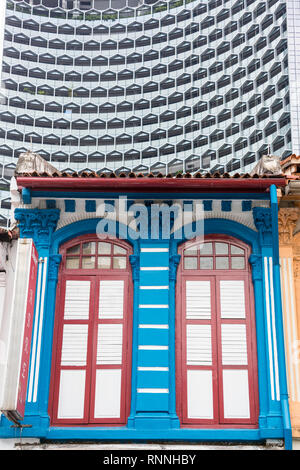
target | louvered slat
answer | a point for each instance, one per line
(111, 299)
(199, 345)
(232, 295)
(109, 346)
(234, 344)
(77, 300)
(198, 301)
(74, 346)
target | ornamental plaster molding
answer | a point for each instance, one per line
(256, 263)
(263, 221)
(53, 266)
(287, 219)
(135, 266)
(38, 224)
(296, 265)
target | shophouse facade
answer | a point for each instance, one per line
(141, 332)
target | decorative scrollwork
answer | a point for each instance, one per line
(287, 219)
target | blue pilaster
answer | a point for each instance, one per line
(155, 393)
(279, 321)
(267, 226)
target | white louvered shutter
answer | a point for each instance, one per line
(109, 344)
(111, 299)
(234, 350)
(198, 359)
(232, 296)
(77, 300)
(198, 300)
(73, 358)
(234, 344)
(109, 360)
(198, 340)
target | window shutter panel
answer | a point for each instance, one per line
(198, 300)
(74, 346)
(111, 299)
(234, 344)
(77, 300)
(110, 342)
(199, 345)
(232, 294)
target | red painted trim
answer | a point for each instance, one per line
(187, 185)
(181, 367)
(95, 277)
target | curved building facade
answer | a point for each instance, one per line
(163, 86)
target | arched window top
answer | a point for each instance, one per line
(91, 253)
(220, 254)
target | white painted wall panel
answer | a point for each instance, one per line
(234, 344)
(200, 394)
(198, 339)
(71, 394)
(108, 393)
(232, 295)
(109, 346)
(77, 300)
(198, 300)
(111, 299)
(236, 394)
(74, 346)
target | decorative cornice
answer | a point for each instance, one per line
(135, 265)
(174, 261)
(38, 224)
(287, 219)
(262, 217)
(53, 267)
(256, 263)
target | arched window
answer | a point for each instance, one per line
(216, 352)
(92, 337)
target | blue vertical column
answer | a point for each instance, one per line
(273, 337)
(279, 321)
(153, 337)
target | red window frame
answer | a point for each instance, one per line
(215, 276)
(94, 276)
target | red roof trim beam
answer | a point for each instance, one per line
(164, 185)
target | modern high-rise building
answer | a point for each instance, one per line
(160, 86)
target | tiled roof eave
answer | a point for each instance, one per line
(151, 183)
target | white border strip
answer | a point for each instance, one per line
(161, 327)
(152, 390)
(153, 306)
(34, 338)
(154, 287)
(274, 330)
(154, 369)
(267, 293)
(155, 268)
(154, 250)
(38, 355)
(153, 348)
